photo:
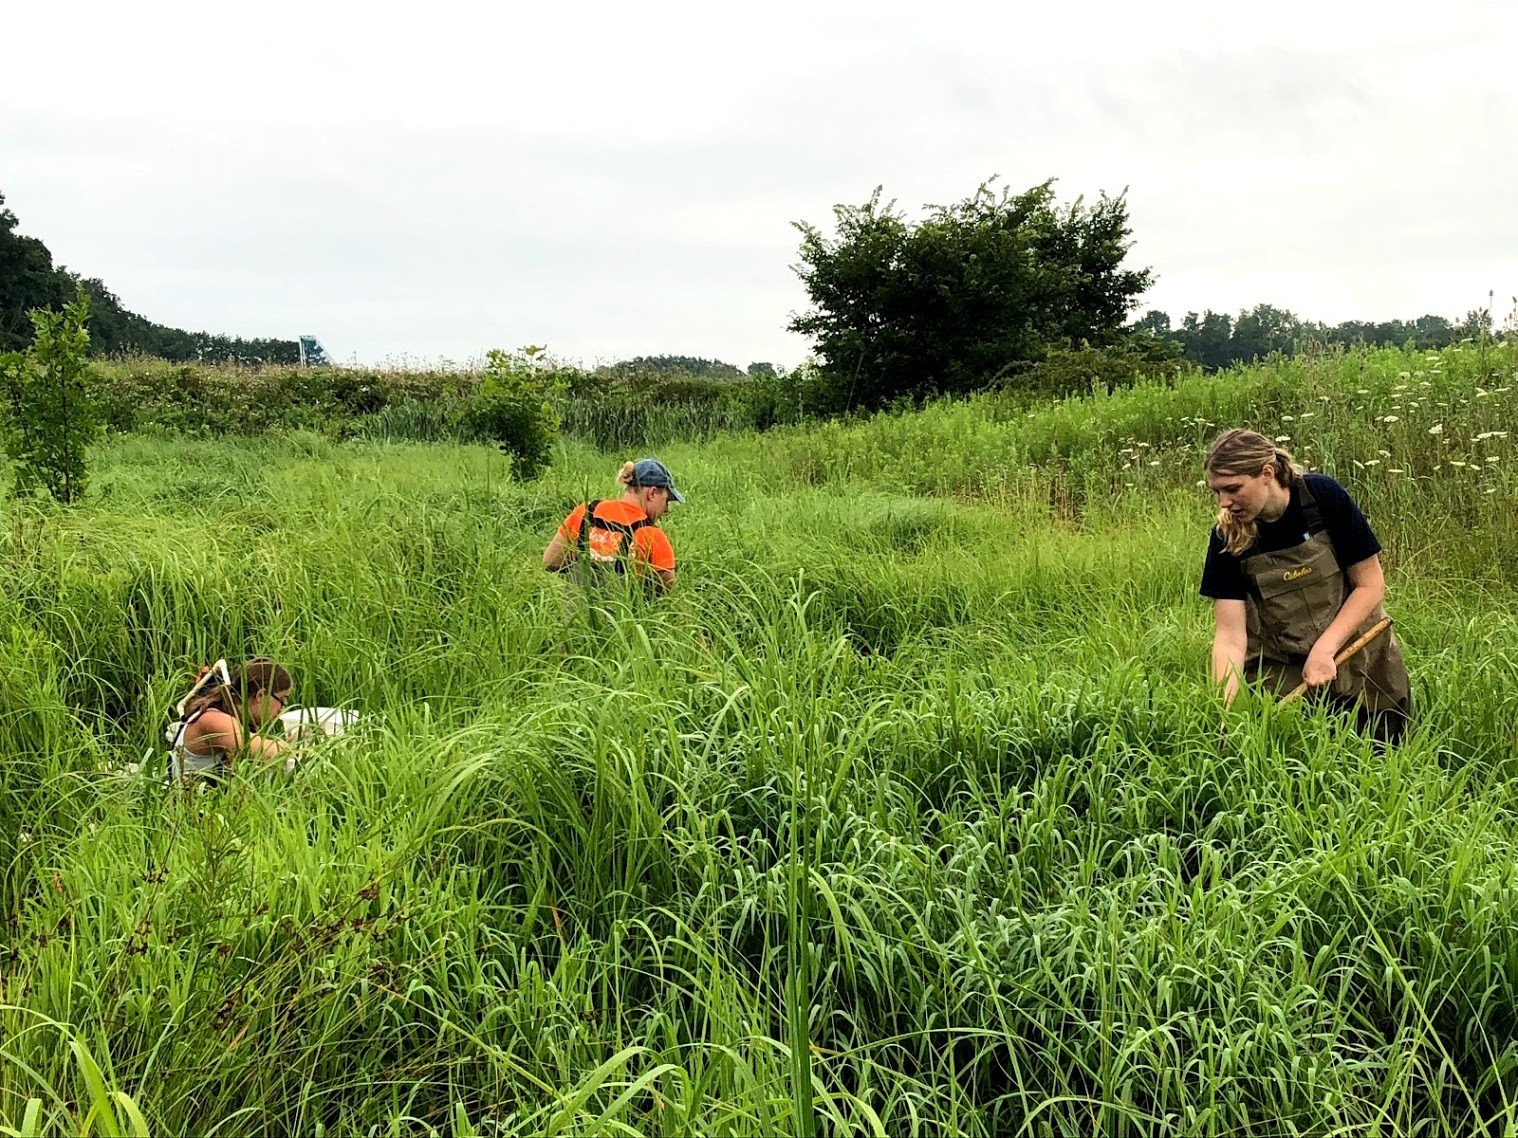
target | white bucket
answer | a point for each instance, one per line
(309, 722)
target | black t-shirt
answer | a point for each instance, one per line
(1223, 574)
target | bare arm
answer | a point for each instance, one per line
(1230, 643)
(558, 554)
(1367, 589)
(266, 749)
(218, 733)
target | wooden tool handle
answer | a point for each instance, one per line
(1344, 654)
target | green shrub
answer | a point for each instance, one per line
(513, 411)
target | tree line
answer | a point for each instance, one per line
(29, 280)
(1000, 290)
(1215, 340)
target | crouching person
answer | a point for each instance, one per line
(1294, 574)
(620, 537)
(222, 719)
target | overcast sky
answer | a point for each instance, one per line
(613, 179)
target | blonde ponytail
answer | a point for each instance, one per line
(626, 476)
(1243, 453)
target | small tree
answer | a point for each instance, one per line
(512, 408)
(51, 417)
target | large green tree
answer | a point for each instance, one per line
(976, 292)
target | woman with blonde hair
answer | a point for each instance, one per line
(618, 536)
(221, 719)
(1294, 573)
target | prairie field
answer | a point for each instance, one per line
(909, 811)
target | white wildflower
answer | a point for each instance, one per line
(1436, 429)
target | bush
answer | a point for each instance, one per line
(780, 398)
(1066, 371)
(237, 400)
(513, 410)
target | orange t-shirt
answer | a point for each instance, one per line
(652, 546)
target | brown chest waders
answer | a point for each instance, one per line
(1295, 594)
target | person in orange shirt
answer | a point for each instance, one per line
(623, 532)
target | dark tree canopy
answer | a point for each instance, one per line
(1216, 340)
(976, 292)
(28, 280)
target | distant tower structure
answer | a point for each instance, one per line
(312, 354)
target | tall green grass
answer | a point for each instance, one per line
(906, 813)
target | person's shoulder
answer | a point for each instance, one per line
(1216, 546)
(1325, 487)
(212, 723)
(1330, 495)
(618, 510)
(1222, 572)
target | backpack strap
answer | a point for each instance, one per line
(586, 522)
(1312, 516)
(628, 530)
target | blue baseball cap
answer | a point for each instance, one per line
(652, 472)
